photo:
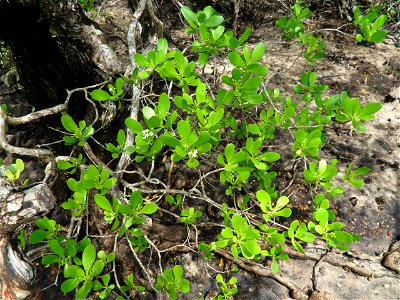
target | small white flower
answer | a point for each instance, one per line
(193, 154)
(147, 134)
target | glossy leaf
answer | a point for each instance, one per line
(100, 95)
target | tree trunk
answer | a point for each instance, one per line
(18, 209)
(56, 46)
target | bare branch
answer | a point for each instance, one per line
(46, 155)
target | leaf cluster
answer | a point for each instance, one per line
(77, 133)
(370, 25)
(172, 282)
(13, 171)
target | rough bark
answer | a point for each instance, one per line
(55, 47)
(16, 210)
(53, 44)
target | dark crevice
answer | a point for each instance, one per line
(47, 61)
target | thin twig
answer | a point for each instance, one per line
(158, 253)
(260, 270)
(335, 30)
(159, 25)
(314, 272)
(177, 3)
(140, 263)
(136, 93)
(37, 115)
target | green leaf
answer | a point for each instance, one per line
(203, 138)
(297, 246)
(378, 36)
(229, 152)
(177, 271)
(307, 237)
(365, 28)
(88, 256)
(73, 272)
(37, 236)
(344, 237)
(134, 125)
(45, 223)
(71, 246)
(144, 74)
(203, 58)
(235, 251)
(254, 129)
(257, 53)
(170, 141)
(184, 286)
(119, 86)
(204, 34)
(359, 38)
(64, 165)
(275, 266)
(184, 129)
(141, 60)
(227, 233)
(264, 198)
(100, 95)
(163, 105)
(245, 35)
(379, 22)
(238, 222)
(50, 259)
(56, 248)
(19, 164)
(286, 212)
(252, 83)
(121, 137)
(282, 201)
(271, 156)
(193, 163)
(235, 59)
(361, 171)
(69, 284)
(153, 122)
(149, 208)
(148, 112)
(68, 123)
(214, 21)
(321, 215)
(217, 33)
(162, 46)
(103, 202)
(190, 16)
(360, 127)
(84, 290)
(250, 248)
(368, 110)
(312, 77)
(97, 267)
(69, 140)
(227, 80)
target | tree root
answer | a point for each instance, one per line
(261, 270)
(42, 153)
(364, 267)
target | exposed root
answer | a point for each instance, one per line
(44, 154)
(362, 267)
(260, 270)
